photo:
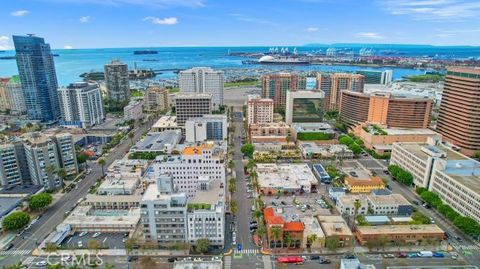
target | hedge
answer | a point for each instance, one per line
(314, 136)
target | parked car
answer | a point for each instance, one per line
(82, 234)
(402, 255)
(438, 254)
(97, 234)
(325, 261)
(314, 257)
(388, 256)
(8, 247)
(80, 244)
(41, 263)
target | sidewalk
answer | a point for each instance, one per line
(111, 252)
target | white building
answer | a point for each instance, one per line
(194, 162)
(208, 127)
(392, 204)
(133, 111)
(346, 204)
(15, 96)
(304, 106)
(285, 178)
(259, 110)
(203, 80)
(192, 106)
(450, 174)
(81, 104)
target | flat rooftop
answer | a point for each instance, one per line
(86, 216)
(115, 183)
(94, 198)
(313, 127)
(214, 195)
(162, 141)
(166, 121)
(7, 204)
(334, 225)
(312, 226)
(410, 131)
(399, 229)
(392, 199)
(416, 149)
(284, 175)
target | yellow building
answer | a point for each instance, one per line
(355, 185)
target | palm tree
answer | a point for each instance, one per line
(276, 233)
(311, 239)
(357, 204)
(102, 162)
(261, 231)
(62, 174)
(287, 240)
(50, 169)
(257, 214)
(131, 135)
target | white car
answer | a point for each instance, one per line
(96, 234)
(41, 263)
(82, 234)
(80, 244)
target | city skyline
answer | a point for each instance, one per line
(158, 23)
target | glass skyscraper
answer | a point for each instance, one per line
(38, 78)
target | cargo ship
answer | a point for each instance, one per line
(280, 61)
(139, 52)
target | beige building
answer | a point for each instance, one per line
(381, 139)
(165, 123)
(4, 103)
(342, 82)
(458, 119)
(285, 178)
(312, 226)
(277, 129)
(335, 228)
(346, 204)
(112, 202)
(450, 174)
(259, 110)
(399, 233)
(156, 99)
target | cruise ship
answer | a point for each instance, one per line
(282, 60)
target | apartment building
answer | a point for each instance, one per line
(4, 102)
(192, 106)
(116, 79)
(391, 204)
(259, 110)
(383, 77)
(156, 99)
(458, 119)
(384, 108)
(13, 168)
(275, 87)
(133, 111)
(277, 131)
(366, 185)
(450, 174)
(15, 96)
(81, 104)
(340, 82)
(203, 80)
(207, 127)
(193, 162)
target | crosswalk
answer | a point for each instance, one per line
(28, 260)
(227, 262)
(15, 252)
(468, 247)
(246, 251)
(267, 263)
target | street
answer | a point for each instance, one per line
(54, 215)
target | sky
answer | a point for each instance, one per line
(157, 23)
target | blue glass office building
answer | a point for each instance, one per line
(38, 77)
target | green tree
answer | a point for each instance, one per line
(420, 190)
(62, 174)
(40, 201)
(233, 207)
(261, 230)
(54, 266)
(287, 240)
(51, 247)
(50, 169)
(311, 239)
(345, 140)
(14, 266)
(201, 246)
(332, 243)
(431, 198)
(356, 149)
(130, 243)
(257, 214)
(102, 163)
(82, 157)
(131, 135)
(477, 154)
(276, 233)
(247, 150)
(15, 220)
(93, 244)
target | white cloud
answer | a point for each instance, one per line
(434, 10)
(4, 42)
(84, 19)
(369, 35)
(164, 21)
(149, 3)
(312, 29)
(67, 47)
(19, 13)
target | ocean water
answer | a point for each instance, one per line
(71, 63)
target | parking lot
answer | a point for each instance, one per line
(106, 240)
(296, 207)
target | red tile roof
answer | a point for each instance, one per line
(270, 217)
(293, 226)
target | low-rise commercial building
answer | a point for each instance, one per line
(381, 139)
(165, 123)
(336, 192)
(366, 185)
(312, 150)
(162, 142)
(312, 227)
(346, 204)
(335, 228)
(207, 127)
(312, 131)
(112, 202)
(294, 229)
(87, 219)
(269, 132)
(399, 233)
(393, 204)
(285, 178)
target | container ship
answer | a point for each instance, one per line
(139, 52)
